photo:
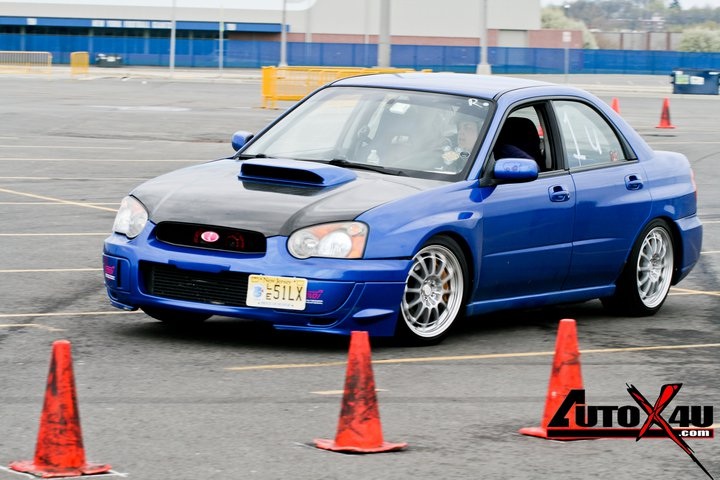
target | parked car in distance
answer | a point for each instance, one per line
(400, 203)
(108, 60)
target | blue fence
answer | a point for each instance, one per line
(149, 51)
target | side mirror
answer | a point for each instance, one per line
(515, 170)
(240, 138)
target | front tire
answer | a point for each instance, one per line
(435, 291)
(645, 282)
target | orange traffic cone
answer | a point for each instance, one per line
(615, 105)
(565, 376)
(59, 451)
(359, 429)
(665, 116)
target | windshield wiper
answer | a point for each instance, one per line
(339, 162)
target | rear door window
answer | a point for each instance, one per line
(587, 138)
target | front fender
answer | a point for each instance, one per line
(399, 228)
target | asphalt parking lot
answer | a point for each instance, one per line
(234, 400)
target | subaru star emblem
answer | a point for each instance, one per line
(210, 236)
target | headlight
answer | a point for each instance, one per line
(330, 240)
(131, 218)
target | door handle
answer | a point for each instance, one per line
(558, 193)
(633, 182)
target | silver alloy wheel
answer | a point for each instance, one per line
(433, 291)
(654, 267)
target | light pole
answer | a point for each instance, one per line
(483, 67)
(308, 36)
(366, 36)
(283, 37)
(384, 35)
(221, 35)
(172, 40)
(567, 38)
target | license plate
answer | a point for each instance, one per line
(276, 292)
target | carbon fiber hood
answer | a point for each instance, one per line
(216, 193)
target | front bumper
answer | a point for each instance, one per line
(343, 295)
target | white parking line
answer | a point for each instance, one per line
(455, 358)
(58, 200)
(340, 392)
(54, 234)
(74, 179)
(100, 160)
(52, 203)
(58, 147)
(31, 325)
(687, 291)
(50, 270)
(67, 314)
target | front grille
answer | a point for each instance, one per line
(211, 237)
(167, 281)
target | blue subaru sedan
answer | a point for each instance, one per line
(401, 204)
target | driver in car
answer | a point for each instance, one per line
(460, 145)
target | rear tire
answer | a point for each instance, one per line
(435, 293)
(176, 317)
(644, 284)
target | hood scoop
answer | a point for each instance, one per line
(294, 172)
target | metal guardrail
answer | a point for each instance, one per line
(79, 63)
(25, 62)
(294, 83)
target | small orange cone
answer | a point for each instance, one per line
(359, 429)
(59, 451)
(665, 116)
(565, 376)
(615, 105)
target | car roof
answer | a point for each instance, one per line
(484, 86)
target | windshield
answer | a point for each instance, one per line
(416, 133)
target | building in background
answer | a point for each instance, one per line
(322, 32)
(514, 22)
